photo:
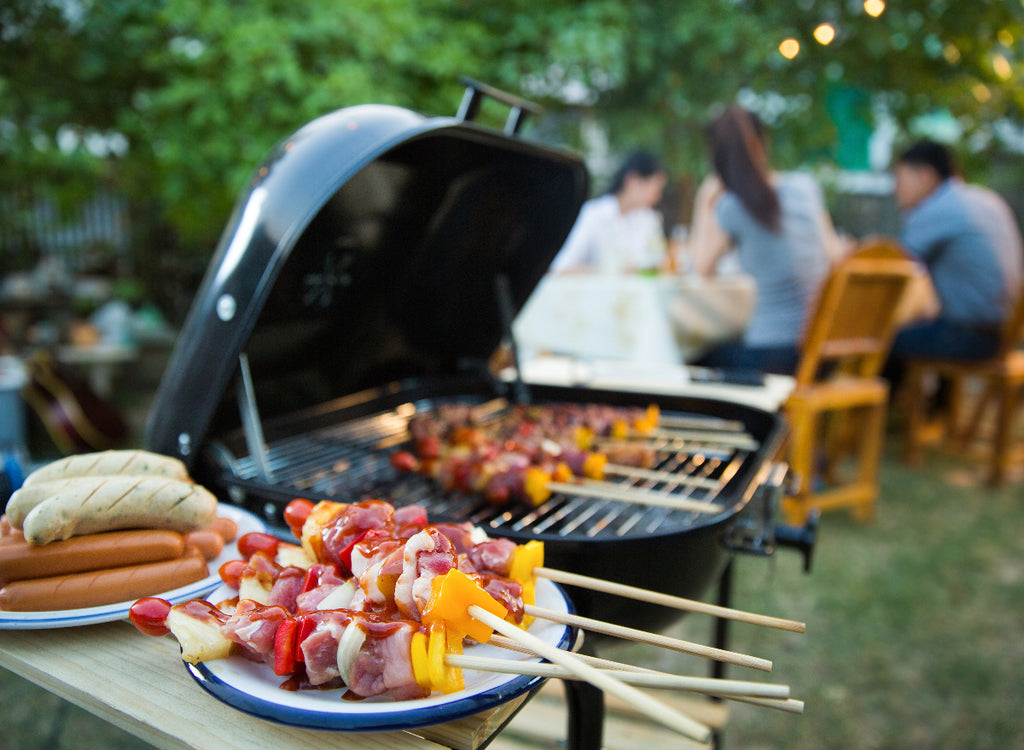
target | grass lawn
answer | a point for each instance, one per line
(915, 622)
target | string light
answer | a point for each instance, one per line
(874, 8)
(1002, 67)
(789, 48)
(825, 33)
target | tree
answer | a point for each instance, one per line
(174, 102)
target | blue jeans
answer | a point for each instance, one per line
(776, 359)
(939, 338)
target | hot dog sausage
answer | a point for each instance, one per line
(113, 549)
(209, 543)
(99, 587)
(225, 527)
(108, 463)
(120, 503)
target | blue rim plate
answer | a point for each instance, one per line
(91, 615)
(255, 689)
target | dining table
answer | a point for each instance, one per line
(139, 684)
(655, 318)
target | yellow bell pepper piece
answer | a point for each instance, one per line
(529, 597)
(593, 466)
(526, 557)
(451, 596)
(418, 656)
(562, 472)
(584, 437)
(535, 485)
(649, 421)
(440, 643)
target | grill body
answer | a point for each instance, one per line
(340, 451)
(371, 268)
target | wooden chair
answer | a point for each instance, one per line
(1001, 379)
(837, 411)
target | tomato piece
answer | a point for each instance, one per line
(231, 572)
(284, 647)
(256, 541)
(295, 514)
(403, 461)
(428, 446)
(149, 615)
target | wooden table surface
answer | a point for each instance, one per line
(139, 684)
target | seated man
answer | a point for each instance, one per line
(968, 239)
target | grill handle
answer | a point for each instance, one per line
(476, 91)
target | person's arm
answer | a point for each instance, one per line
(576, 253)
(707, 241)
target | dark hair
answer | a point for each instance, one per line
(643, 163)
(927, 153)
(736, 139)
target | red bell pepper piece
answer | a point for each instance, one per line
(306, 626)
(284, 647)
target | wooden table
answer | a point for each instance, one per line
(139, 684)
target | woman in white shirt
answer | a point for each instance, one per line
(620, 231)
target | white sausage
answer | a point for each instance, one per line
(107, 463)
(120, 503)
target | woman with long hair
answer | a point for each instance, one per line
(780, 230)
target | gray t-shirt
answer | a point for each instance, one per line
(788, 266)
(968, 238)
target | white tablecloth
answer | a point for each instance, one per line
(651, 378)
(662, 319)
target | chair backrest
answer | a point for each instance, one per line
(853, 321)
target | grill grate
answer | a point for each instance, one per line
(349, 461)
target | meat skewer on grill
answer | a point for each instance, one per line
(532, 452)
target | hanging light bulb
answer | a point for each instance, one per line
(789, 48)
(825, 33)
(874, 8)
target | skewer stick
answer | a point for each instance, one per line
(789, 706)
(669, 477)
(667, 600)
(611, 491)
(700, 423)
(732, 439)
(781, 704)
(653, 639)
(648, 679)
(603, 680)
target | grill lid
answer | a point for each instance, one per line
(370, 246)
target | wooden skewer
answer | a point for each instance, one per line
(732, 439)
(667, 600)
(656, 475)
(782, 704)
(611, 491)
(642, 636)
(603, 680)
(648, 679)
(700, 423)
(790, 705)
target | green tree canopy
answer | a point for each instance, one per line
(174, 102)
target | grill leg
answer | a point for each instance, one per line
(585, 704)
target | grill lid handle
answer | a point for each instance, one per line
(476, 91)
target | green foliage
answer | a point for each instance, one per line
(174, 102)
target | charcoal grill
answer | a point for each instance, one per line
(370, 270)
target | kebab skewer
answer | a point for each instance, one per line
(268, 586)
